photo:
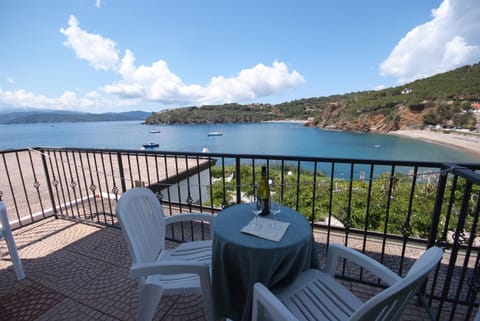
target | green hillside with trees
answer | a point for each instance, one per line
(443, 99)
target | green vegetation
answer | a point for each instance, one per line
(233, 113)
(441, 99)
(386, 201)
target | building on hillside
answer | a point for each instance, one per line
(475, 108)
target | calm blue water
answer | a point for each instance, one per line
(262, 138)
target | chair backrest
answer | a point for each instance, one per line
(142, 220)
(389, 304)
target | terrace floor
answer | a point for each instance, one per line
(79, 271)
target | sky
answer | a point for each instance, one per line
(118, 55)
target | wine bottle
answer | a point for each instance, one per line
(264, 192)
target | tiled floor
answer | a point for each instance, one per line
(79, 271)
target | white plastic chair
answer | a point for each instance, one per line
(316, 295)
(185, 269)
(6, 232)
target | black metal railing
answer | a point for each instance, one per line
(392, 210)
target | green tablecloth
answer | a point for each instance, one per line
(239, 259)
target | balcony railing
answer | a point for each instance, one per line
(387, 209)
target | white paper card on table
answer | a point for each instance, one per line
(266, 228)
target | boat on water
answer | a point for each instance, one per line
(151, 145)
(155, 131)
(214, 133)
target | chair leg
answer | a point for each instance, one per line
(149, 299)
(207, 295)
(12, 248)
(17, 264)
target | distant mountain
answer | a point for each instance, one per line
(50, 116)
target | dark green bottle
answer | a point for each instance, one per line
(264, 192)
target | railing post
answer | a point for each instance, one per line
(238, 180)
(437, 209)
(122, 175)
(432, 233)
(49, 183)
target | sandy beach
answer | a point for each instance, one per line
(293, 121)
(468, 143)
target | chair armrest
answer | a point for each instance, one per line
(189, 217)
(168, 267)
(269, 302)
(180, 267)
(336, 251)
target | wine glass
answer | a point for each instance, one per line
(256, 206)
(275, 204)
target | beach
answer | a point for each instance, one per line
(466, 142)
(292, 121)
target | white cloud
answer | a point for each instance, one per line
(149, 85)
(379, 87)
(451, 39)
(67, 101)
(125, 90)
(159, 84)
(10, 80)
(98, 3)
(252, 83)
(97, 50)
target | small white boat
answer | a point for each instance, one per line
(155, 131)
(151, 145)
(214, 133)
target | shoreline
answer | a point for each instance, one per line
(292, 121)
(467, 143)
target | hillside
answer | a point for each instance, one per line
(441, 99)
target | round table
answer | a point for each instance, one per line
(239, 259)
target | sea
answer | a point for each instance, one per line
(269, 138)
